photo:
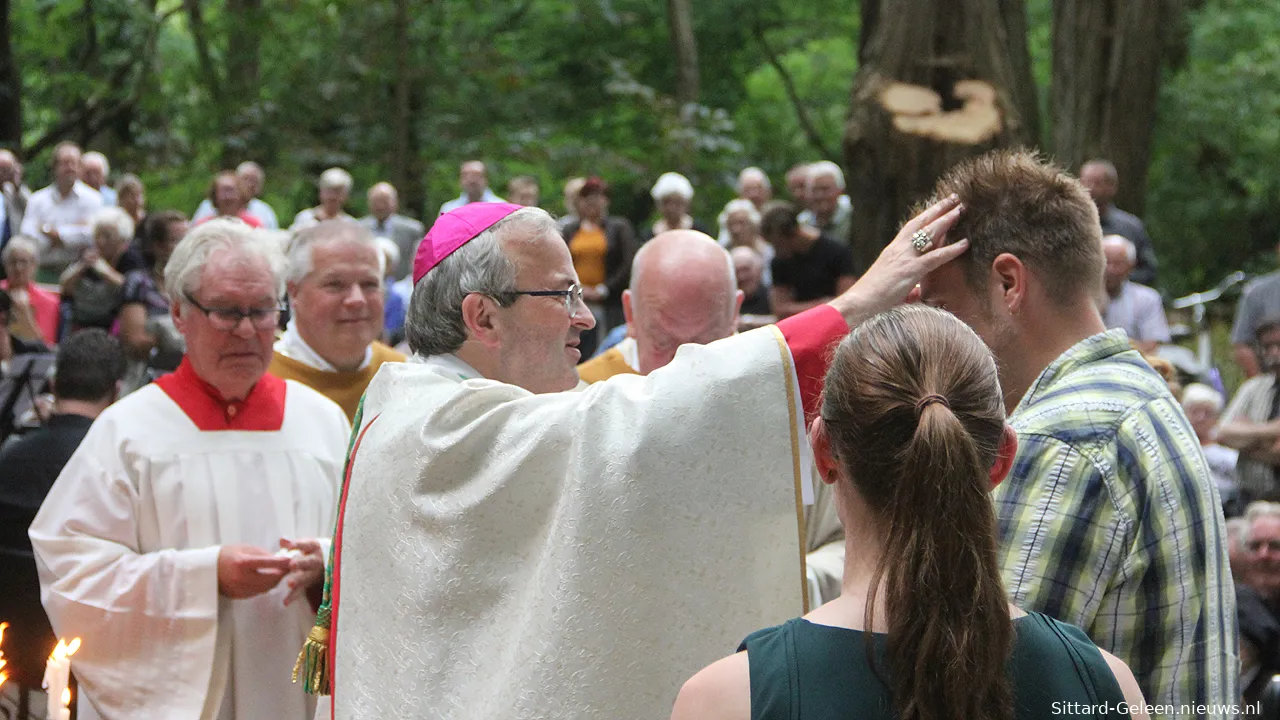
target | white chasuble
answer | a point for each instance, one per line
(127, 547)
(572, 555)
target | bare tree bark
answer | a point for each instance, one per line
(1014, 15)
(870, 16)
(685, 45)
(1107, 56)
(937, 84)
(10, 84)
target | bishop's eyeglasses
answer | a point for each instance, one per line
(572, 296)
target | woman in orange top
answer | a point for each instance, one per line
(602, 247)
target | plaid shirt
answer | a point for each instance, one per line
(1109, 520)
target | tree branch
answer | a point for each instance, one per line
(802, 113)
(99, 111)
(511, 20)
(89, 51)
(207, 68)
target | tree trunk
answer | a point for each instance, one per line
(937, 83)
(245, 19)
(1106, 76)
(10, 85)
(685, 45)
(208, 70)
(403, 118)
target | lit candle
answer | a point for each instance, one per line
(3, 675)
(64, 712)
(57, 679)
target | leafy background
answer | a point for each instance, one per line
(558, 88)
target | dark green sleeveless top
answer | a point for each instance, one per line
(804, 671)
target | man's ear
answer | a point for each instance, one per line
(1004, 456)
(828, 468)
(179, 322)
(480, 315)
(626, 307)
(1009, 278)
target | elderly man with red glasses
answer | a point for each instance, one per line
(179, 541)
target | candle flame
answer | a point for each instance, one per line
(3, 675)
(66, 697)
(63, 651)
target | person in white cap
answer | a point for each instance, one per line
(672, 195)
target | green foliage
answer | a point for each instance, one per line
(551, 88)
(767, 124)
(560, 88)
(1214, 192)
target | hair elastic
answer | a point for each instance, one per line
(928, 400)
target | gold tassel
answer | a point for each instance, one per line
(313, 662)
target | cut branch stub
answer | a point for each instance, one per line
(917, 110)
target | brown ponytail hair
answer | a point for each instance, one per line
(915, 416)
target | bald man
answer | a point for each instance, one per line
(1135, 308)
(682, 291)
(384, 220)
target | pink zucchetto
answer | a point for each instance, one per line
(454, 229)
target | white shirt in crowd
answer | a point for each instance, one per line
(1139, 311)
(454, 204)
(69, 214)
(256, 208)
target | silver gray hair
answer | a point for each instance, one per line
(335, 178)
(115, 220)
(753, 172)
(249, 166)
(302, 246)
(1201, 394)
(186, 264)
(434, 323)
(1257, 509)
(824, 168)
(1130, 250)
(93, 156)
(1237, 529)
(672, 183)
(20, 242)
(741, 205)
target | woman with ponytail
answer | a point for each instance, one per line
(912, 436)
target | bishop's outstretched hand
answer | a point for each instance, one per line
(901, 266)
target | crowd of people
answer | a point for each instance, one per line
(553, 447)
(90, 253)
